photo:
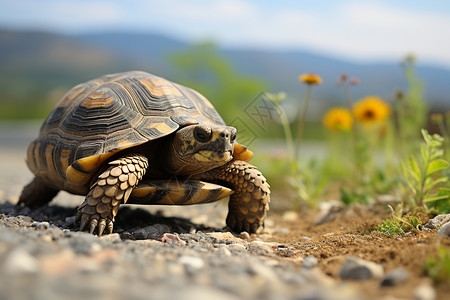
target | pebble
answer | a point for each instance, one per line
(191, 263)
(238, 247)
(244, 235)
(424, 292)
(262, 248)
(394, 277)
(310, 262)
(328, 211)
(154, 231)
(437, 221)
(444, 230)
(41, 225)
(225, 237)
(173, 239)
(113, 237)
(360, 269)
(20, 261)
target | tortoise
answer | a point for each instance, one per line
(134, 137)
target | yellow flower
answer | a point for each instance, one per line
(310, 79)
(338, 119)
(371, 109)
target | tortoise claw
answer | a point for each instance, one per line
(110, 227)
(101, 227)
(93, 225)
(84, 221)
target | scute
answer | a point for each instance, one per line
(101, 117)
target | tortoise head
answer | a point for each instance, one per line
(199, 148)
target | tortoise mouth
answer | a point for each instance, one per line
(213, 155)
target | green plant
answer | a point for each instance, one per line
(438, 268)
(399, 224)
(306, 179)
(422, 177)
(411, 107)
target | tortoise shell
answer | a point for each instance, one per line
(101, 117)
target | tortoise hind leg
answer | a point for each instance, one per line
(36, 194)
(112, 187)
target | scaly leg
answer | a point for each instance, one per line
(36, 194)
(112, 187)
(250, 201)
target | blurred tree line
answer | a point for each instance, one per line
(203, 68)
(200, 67)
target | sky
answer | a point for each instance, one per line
(357, 30)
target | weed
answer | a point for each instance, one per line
(399, 224)
(438, 268)
(422, 177)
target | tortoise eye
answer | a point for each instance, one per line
(201, 135)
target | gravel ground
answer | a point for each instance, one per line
(44, 260)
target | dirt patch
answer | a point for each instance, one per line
(350, 233)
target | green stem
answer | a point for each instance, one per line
(286, 128)
(420, 193)
(359, 163)
(301, 123)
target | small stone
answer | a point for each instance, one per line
(360, 269)
(437, 221)
(191, 263)
(41, 225)
(155, 231)
(238, 247)
(306, 238)
(113, 237)
(173, 239)
(262, 248)
(244, 235)
(310, 262)
(20, 261)
(290, 216)
(328, 211)
(444, 230)
(424, 292)
(395, 277)
(224, 236)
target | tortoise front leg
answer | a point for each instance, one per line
(250, 201)
(112, 187)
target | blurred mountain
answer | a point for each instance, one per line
(38, 67)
